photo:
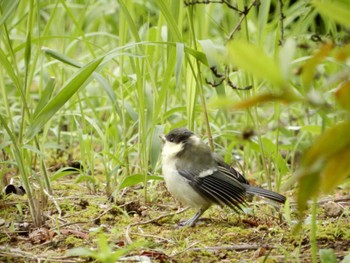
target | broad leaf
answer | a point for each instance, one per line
(342, 95)
(254, 60)
(136, 179)
(309, 68)
(326, 164)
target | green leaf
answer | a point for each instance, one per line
(331, 142)
(179, 62)
(28, 52)
(45, 96)
(156, 144)
(9, 69)
(337, 10)
(131, 23)
(342, 95)
(346, 259)
(136, 179)
(287, 211)
(70, 88)
(263, 14)
(336, 170)
(65, 171)
(61, 57)
(309, 186)
(216, 55)
(309, 68)
(7, 8)
(33, 149)
(325, 164)
(197, 54)
(286, 56)
(104, 83)
(313, 129)
(80, 252)
(254, 60)
(285, 96)
(327, 256)
(168, 14)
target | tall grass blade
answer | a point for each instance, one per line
(337, 10)
(70, 88)
(7, 9)
(45, 96)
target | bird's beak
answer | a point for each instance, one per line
(162, 137)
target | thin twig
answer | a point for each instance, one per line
(282, 17)
(127, 232)
(236, 247)
(186, 249)
(54, 202)
(17, 253)
(216, 248)
(323, 201)
(228, 4)
(244, 15)
(152, 236)
(336, 200)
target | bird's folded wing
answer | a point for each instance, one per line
(228, 170)
(218, 188)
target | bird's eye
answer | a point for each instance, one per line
(171, 139)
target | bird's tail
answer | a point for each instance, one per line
(265, 193)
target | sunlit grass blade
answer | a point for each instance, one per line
(156, 145)
(104, 83)
(309, 68)
(6, 64)
(61, 57)
(179, 62)
(8, 7)
(70, 88)
(263, 17)
(130, 22)
(215, 54)
(337, 10)
(174, 32)
(45, 96)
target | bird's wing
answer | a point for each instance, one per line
(217, 187)
(228, 170)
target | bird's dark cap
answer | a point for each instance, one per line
(179, 135)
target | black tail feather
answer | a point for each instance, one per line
(265, 193)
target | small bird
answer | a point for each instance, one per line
(198, 177)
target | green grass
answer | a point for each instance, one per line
(98, 81)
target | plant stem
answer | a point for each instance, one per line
(313, 239)
(199, 83)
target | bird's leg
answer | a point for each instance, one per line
(192, 221)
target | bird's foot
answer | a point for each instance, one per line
(189, 222)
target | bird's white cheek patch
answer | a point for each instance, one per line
(207, 172)
(171, 149)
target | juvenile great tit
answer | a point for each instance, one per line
(197, 177)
